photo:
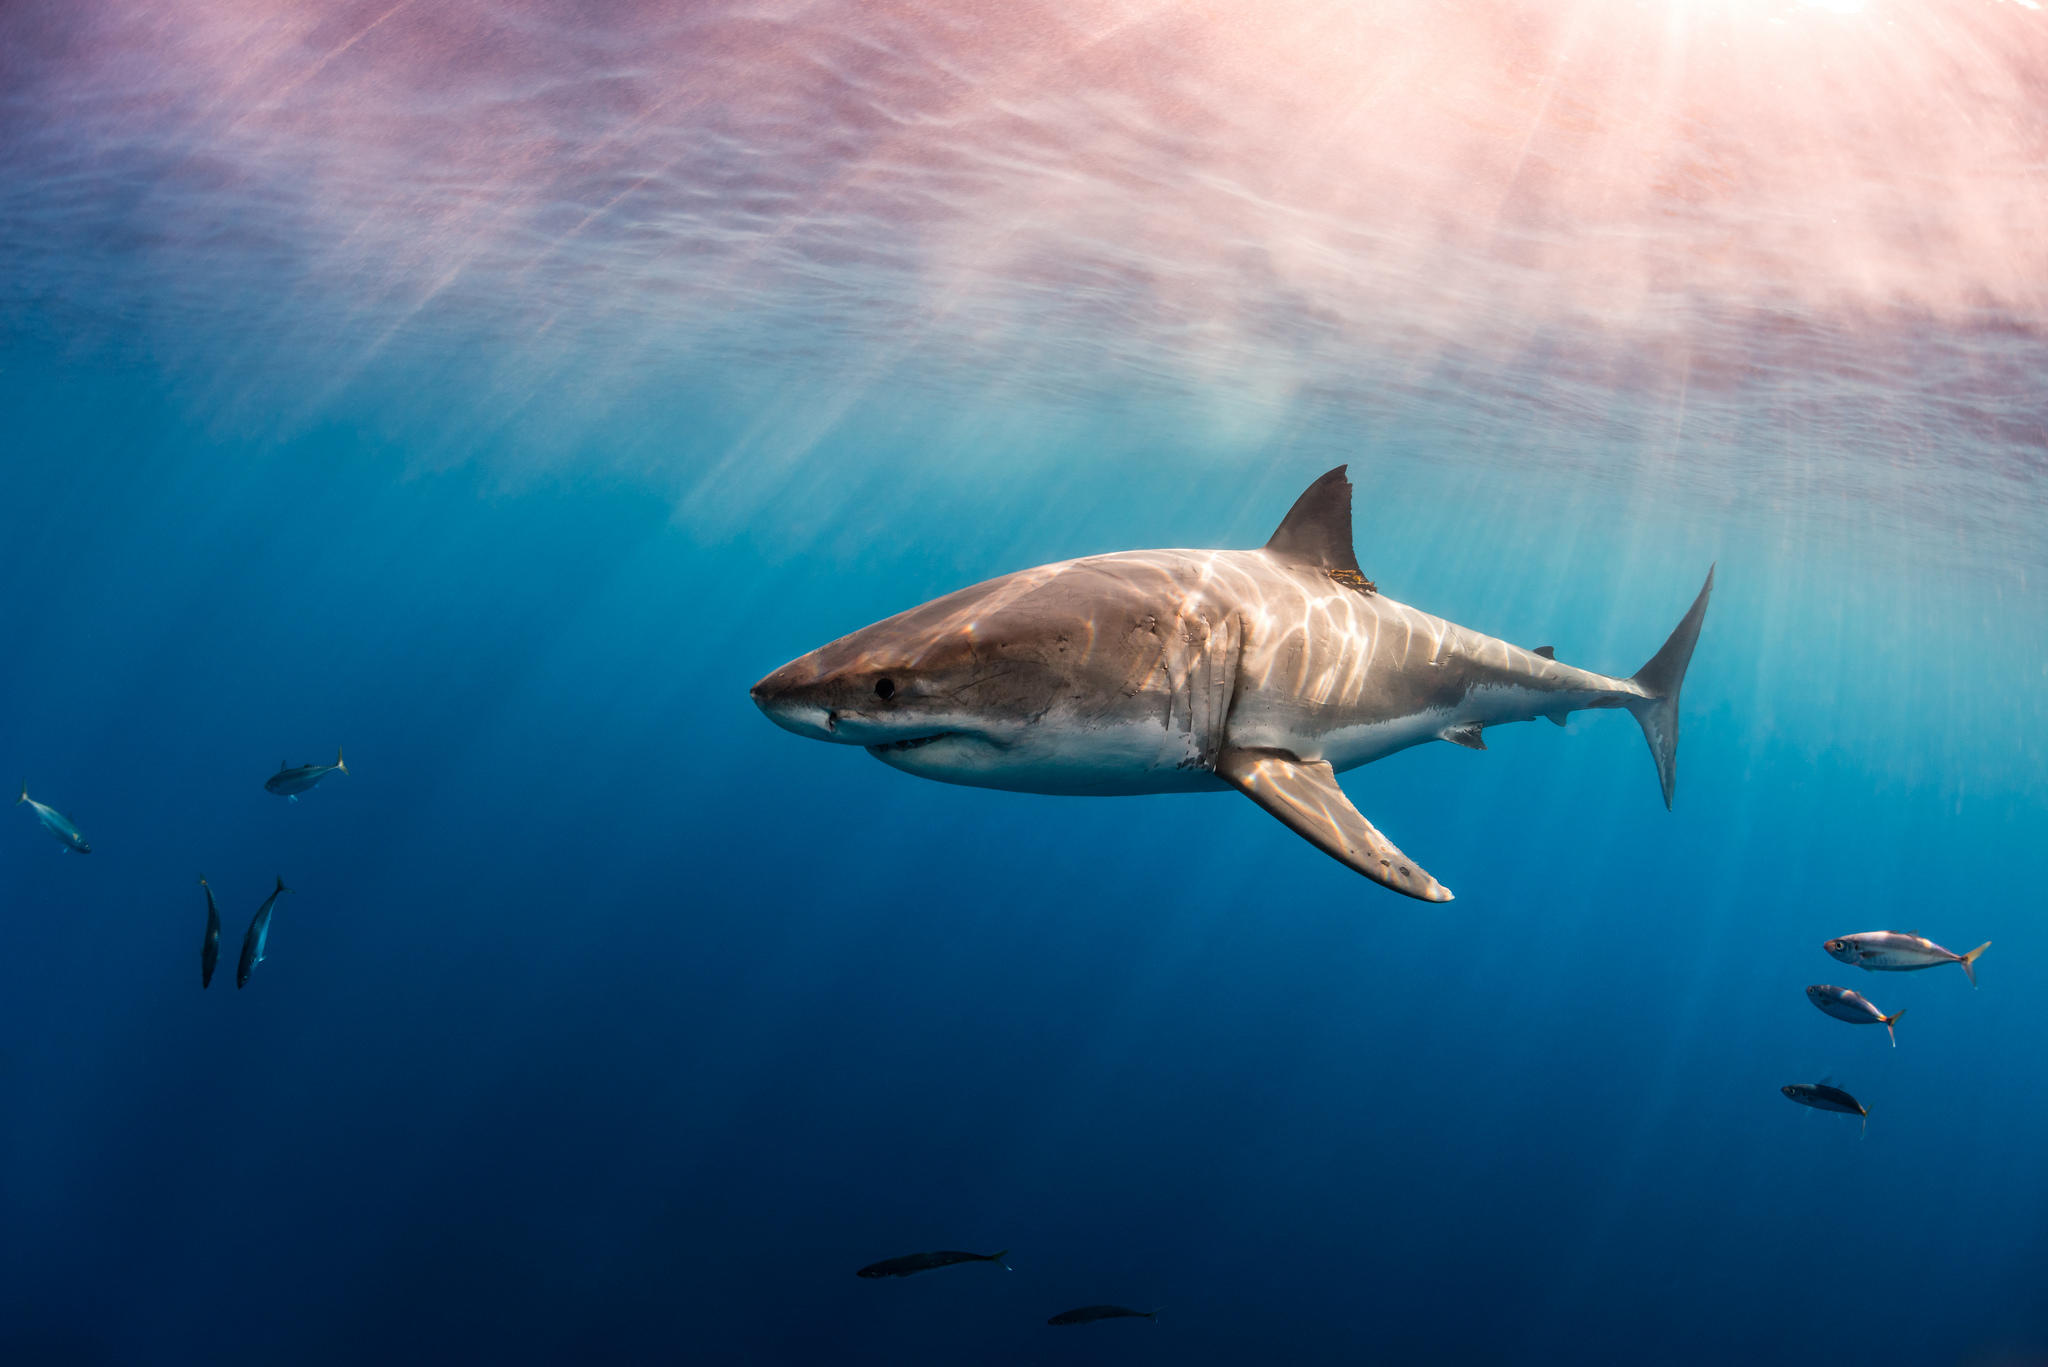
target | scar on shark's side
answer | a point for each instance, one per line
(1268, 671)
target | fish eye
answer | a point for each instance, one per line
(885, 688)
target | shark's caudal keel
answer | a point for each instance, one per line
(1268, 671)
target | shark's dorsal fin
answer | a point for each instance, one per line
(1547, 652)
(1317, 529)
(1305, 796)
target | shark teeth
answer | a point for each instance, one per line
(910, 744)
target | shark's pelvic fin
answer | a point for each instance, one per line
(1304, 795)
(1465, 734)
(1317, 529)
(1660, 679)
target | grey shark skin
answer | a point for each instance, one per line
(1268, 671)
(289, 782)
(257, 938)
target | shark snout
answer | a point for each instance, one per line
(792, 698)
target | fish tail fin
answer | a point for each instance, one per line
(1969, 961)
(280, 885)
(1656, 711)
(1888, 1025)
(24, 793)
(338, 760)
(1864, 1133)
(1002, 1260)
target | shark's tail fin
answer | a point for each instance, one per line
(1657, 711)
(337, 760)
(1969, 961)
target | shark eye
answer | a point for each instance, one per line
(885, 689)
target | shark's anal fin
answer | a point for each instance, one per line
(1304, 795)
(1465, 734)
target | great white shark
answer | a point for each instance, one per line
(1268, 671)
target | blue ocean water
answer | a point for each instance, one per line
(498, 389)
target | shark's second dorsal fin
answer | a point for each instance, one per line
(1317, 529)
(1547, 652)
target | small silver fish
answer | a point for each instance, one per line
(1823, 1096)
(209, 949)
(257, 937)
(1892, 951)
(55, 822)
(911, 1263)
(1852, 1007)
(288, 782)
(1088, 1314)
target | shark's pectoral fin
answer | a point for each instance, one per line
(1304, 794)
(1465, 734)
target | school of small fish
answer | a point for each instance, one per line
(1873, 951)
(288, 782)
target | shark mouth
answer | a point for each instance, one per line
(911, 744)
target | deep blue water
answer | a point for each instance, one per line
(498, 391)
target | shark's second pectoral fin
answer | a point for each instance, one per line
(1304, 794)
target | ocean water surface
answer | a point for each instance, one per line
(498, 388)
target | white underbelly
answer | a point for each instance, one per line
(1126, 757)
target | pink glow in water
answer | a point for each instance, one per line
(1199, 165)
(1276, 213)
